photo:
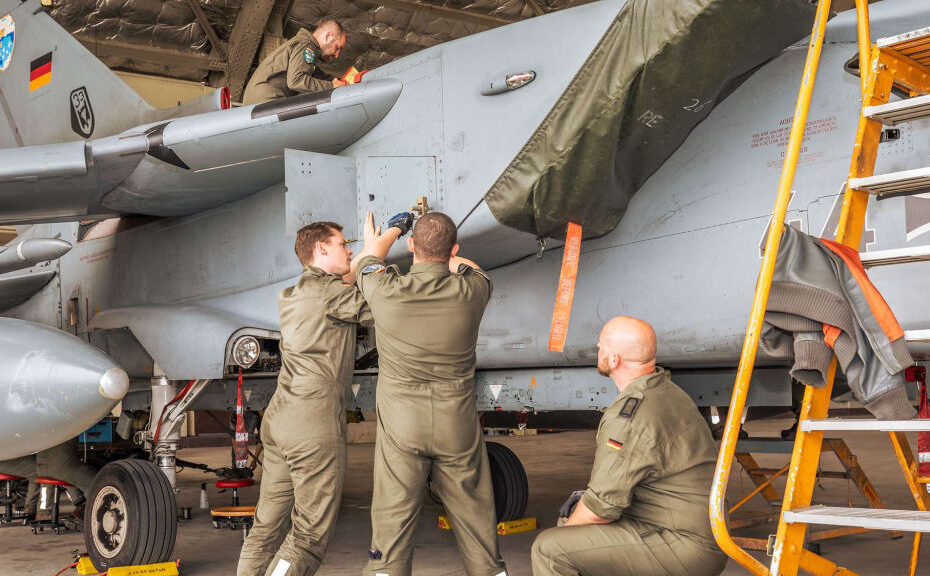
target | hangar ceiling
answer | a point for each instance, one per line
(220, 41)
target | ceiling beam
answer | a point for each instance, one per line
(164, 56)
(534, 6)
(207, 28)
(443, 12)
(244, 40)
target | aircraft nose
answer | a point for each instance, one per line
(53, 385)
(43, 248)
(114, 384)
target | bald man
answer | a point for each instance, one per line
(645, 511)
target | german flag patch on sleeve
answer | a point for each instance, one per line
(615, 444)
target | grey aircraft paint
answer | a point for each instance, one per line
(54, 383)
(684, 257)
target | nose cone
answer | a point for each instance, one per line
(40, 249)
(114, 384)
(53, 386)
(30, 252)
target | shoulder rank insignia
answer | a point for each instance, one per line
(309, 55)
(629, 407)
(615, 444)
(373, 268)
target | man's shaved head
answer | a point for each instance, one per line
(331, 37)
(627, 343)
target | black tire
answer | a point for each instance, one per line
(131, 516)
(508, 478)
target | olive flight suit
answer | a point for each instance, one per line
(287, 71)
(426, 328)
(59, 462)
(653, 468)
(304, 428)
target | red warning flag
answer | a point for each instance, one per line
(562, 311)
(242, 435)
(918, 374)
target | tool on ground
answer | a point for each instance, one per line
(517, 526)
(85, 567)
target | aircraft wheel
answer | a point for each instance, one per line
(509, 480)
(131, 516)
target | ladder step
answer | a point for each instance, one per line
(917, 335)
(893, 113)
(895, 256)
(849, 424)
(894, 183)
(915, 45)
(871, 518)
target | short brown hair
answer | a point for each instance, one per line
(434, 236)
(336, 26)
(309, 235)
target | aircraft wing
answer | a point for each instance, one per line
(187, 164)
(64, 181)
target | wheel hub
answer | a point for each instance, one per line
(108, 521)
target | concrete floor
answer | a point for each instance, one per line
(556, 464)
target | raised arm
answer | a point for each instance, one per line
(378, 244)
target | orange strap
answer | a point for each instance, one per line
(566, 291)
(877, 304)
(830, 334)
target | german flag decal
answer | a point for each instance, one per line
(40, 72)
(616, 445)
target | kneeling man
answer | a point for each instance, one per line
(645, 510)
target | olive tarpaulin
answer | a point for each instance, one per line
(659, 69)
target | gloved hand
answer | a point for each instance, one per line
(403, 221)
(565, 510)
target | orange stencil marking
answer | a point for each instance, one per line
(562, 311)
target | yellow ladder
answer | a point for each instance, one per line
(903, 63)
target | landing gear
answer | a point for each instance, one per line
(509, 480)
(131, 516)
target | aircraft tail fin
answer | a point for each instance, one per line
(52, 89)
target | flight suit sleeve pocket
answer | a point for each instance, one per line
(622, 459)
(371, 272)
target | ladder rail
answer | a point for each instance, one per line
(799, 486)
(751, 341)
(865, 41)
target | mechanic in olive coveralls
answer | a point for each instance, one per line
(426, 327)
(59, 462)
(645, 511)
(288, 70)
(304, 428)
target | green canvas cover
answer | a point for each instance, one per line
(657, 72)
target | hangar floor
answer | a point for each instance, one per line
(555, 463)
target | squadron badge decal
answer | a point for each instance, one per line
(82, 115)
(309, 55)
(7, 28)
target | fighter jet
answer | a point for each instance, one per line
(659, 129)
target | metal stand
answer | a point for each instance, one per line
(763, 479)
